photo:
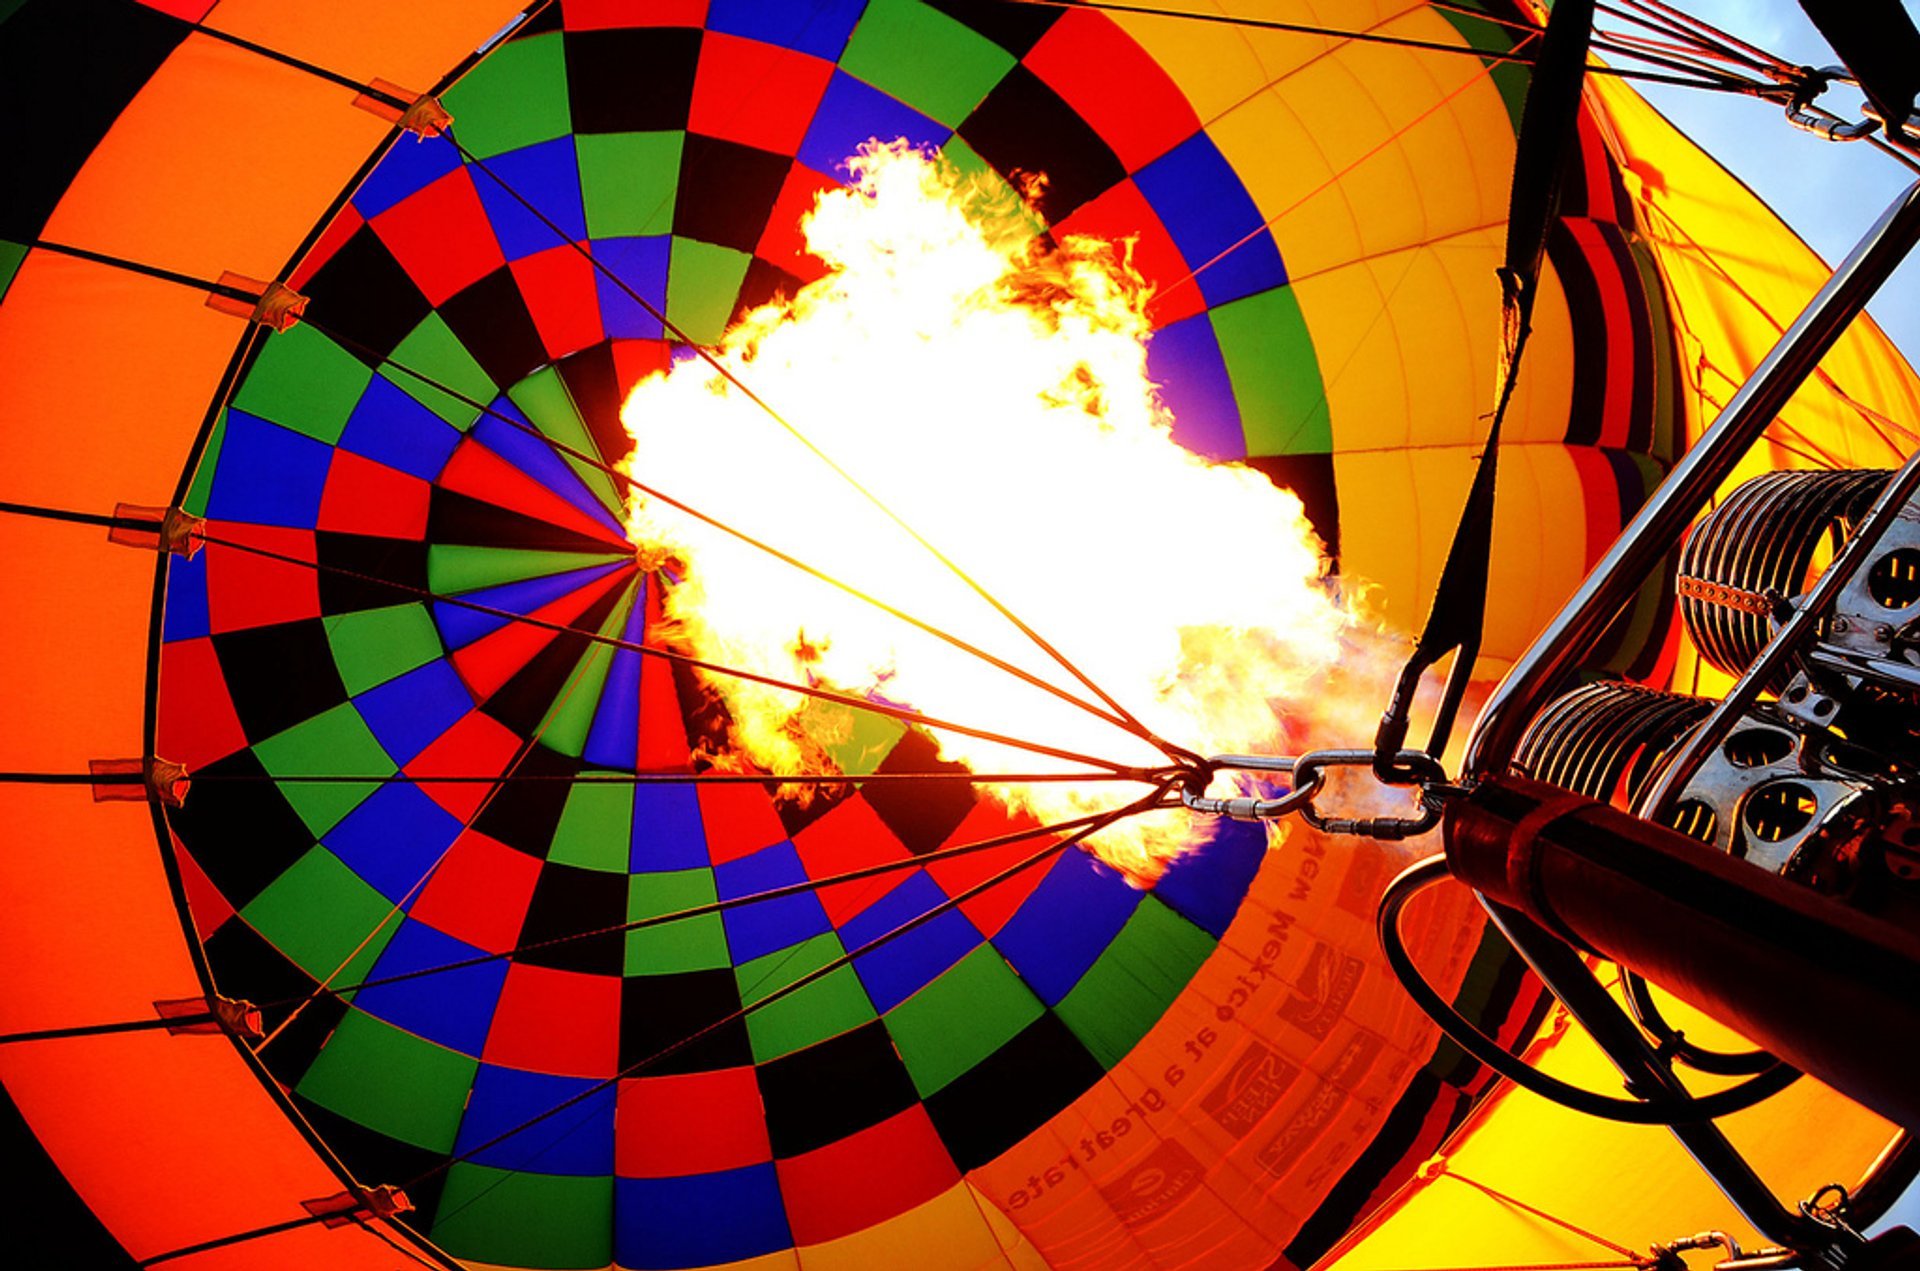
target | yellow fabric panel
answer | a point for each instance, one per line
(1628, 1184)
(1398, 510)
(1222, 1129)
(959, 1228)
(222, 162)
(413, 45)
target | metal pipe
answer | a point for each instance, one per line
(1661, 520)
(1686, 761)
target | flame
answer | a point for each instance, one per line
(989, 387)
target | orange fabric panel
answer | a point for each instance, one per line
(224, 161)
(412, 44)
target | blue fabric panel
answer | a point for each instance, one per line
(754, 930)
(530, 453)
(411, 165)
(548, 176)
(1184, 360)
(453, 1008)
(906, 964)
(641, 263)
(1206, 886)
(850, 114)
(578, 1141)
(460, 627)
(667, 830)
(268, 475)
(1068, 921)
(820, 27)
(1208, 211)
(394, 838)
(698, 1220)
(389, 426)
(614, 740)
(408, 713)
(185, 616)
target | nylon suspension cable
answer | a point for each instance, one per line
(783, 992)
(706, 355)
(635, 485)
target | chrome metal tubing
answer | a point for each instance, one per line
(1665, 516)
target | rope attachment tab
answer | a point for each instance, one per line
(273, 305)
(418, 113)
(152, 529)
(216, 1014)
(359, 1204)
(138, 780)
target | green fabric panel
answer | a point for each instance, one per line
(1130, 986)
(318, 912)
(456, 567)
(434, 351)
(856, 741)
(372, 646)
(690, 944)
(515, 97)
(331, 743)
(924, 58)
(201, 490)
(595, 826)
(570, 719)
(1509, 77)
(968, 163)
(420, 1091)
(1276, 377)
(544, 397)
(304, 381)
(628, 181)
(703, 283)
(972, 1010)
(825, 1008)
(11, 254)
(529, 1220)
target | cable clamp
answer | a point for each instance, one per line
(138, 780)
(152, 529)
(358, 1204)
(418, 113)
(270, 304)
(215, 1014)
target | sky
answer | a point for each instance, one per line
(1828, 191)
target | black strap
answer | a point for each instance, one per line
(1541, 157)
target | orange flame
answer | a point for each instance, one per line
(989, 387)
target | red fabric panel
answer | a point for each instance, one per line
(197, 724)
(489, 662)
(247, 590)
(757, 94)
(558, 287)
(478, 471)
(1122, 213)
(590, 15)
(479, 893)
(739, 821)
(1115, 85)
(849, 837)
(561, 1022)
(990, 910)
(782, 245)
(865, 1178)
(441, 236)
(477, 743)
(366, 497)
(695, 1123)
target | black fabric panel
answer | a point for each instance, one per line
(568, 900)
(1014, 27)
(524, 814)
(661, 1011)
(1024, 127)
(727, 191)
(1591, 348)
(250, 968)
(1013, 1092)
(363, 294)
(921, 814)
(593, 381)
(635, 80)
(365, 571)
(460, 518)
(763, 282)
(279, 675)
(241, 832)
(1310, 477)
(68, 68)
(490, 318)
(377, 1159)
(833, 1088)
